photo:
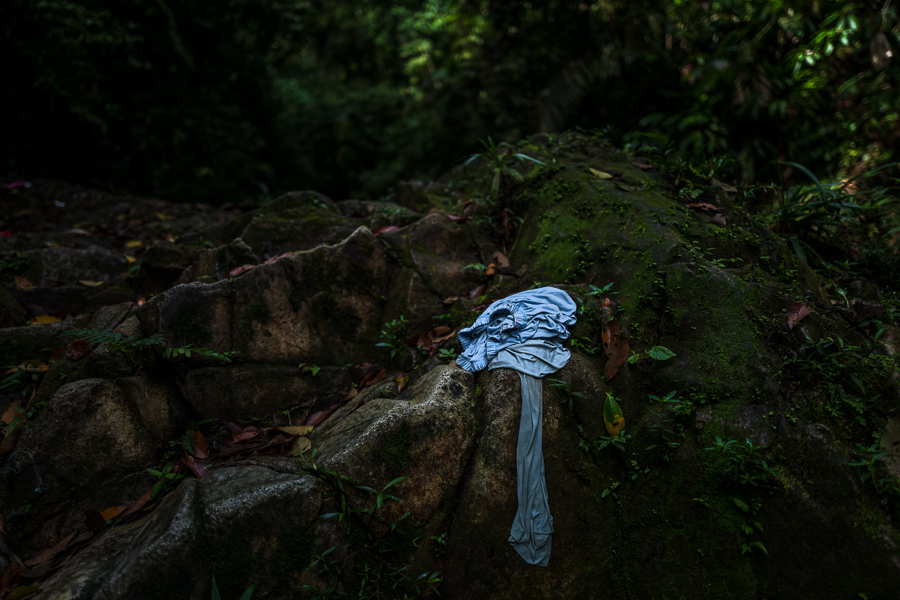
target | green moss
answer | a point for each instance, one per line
(396, 452)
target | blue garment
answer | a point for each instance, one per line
(525, 332)
(541, 314)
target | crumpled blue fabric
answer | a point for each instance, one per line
(541, 314)
(525, 332)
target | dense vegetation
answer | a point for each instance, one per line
(245, 98)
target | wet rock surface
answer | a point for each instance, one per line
(749, 481)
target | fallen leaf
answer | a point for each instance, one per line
(501, 259)
(12, 575)
(244, 436)
(719, 219)
(401, 380)
(33, 366)
(5, 233)
(162, 216)
(296, 430)
(134, 244)
(301, 446)
(22, 283)
(601, 174)
(387, 229)
(627, 188)
(372, 378)
(138, 504)
(491, 269)
(615, 346)
(439, 331)
(48, 553)
(201, 449)
(642, 166)
(796, 313)
(57, 353)
(196, 466)
(44, 319)
(23, 591)
(77, 349)
(317, 417)
(112, 512)
(612, 416)
(279, 257)
(131, 260)
(240, 270)
(11, 413)
(704, 206)
(475, 292)
(351, 394)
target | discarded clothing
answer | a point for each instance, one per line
(541, 314)
(524, 332)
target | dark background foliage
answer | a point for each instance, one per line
(242, 99)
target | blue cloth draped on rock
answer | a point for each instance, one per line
(525, 332)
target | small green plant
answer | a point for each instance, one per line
(311, 369)
(476, 266)
(877, 473)
(166, 479)
(116, 342)
(393, 333)
(215, 592)
(567, 390)
(656, 353)
(447, 353)
(500, 164)
(670, 424)
(618, 441)
(743, 464)
(12, 264)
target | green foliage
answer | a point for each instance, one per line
(447, 353)
(167, 478)
(877, 473)
(116, 342)
(619, 441)
(248, 593)
(379, 546)
(500, 164)
(742, 463)
(394, 335)
(11, 264)
(656, 353)
(670, 424)
(569, 395)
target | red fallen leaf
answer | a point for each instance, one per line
(370, 379)
(22, 283)
(615, 346)
(474, 293)
(703, 206)
(233, 428)
(201, 450)
(386, 229)
(48, 554)
(279, 257)
(57, 353)
(77, 349)
(5, 233)
(642, 166)
(196, 467)
(442, 338)
(240, 270)
(16, 184)
(243, 436)
(467, 213)
(12, 575)
(317, 417)
(401, 380)
(796, 313)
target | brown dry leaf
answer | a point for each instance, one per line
(402, 380)
(196, 467)
(719, 219)
(34, 366)
(474, 293)
(317, 417)
(387, 229)
(796, 313)
(501, 259)
(372, 378)
(438, 331)
(138, 504)
(642, 166)
(296, 430)
(279, 257)
(201, 449)
(240, 270)
(22, 283)
(351, 394)
(44, 319)
(491, 269)
(301, 446)
(12, 575)
(48, 554)
(703, 206)
(131, 260)
(615, 346)
(78, 349)
(92, 283)
(601, 174)
(11, 413)
(112, 512)
(723, 186)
